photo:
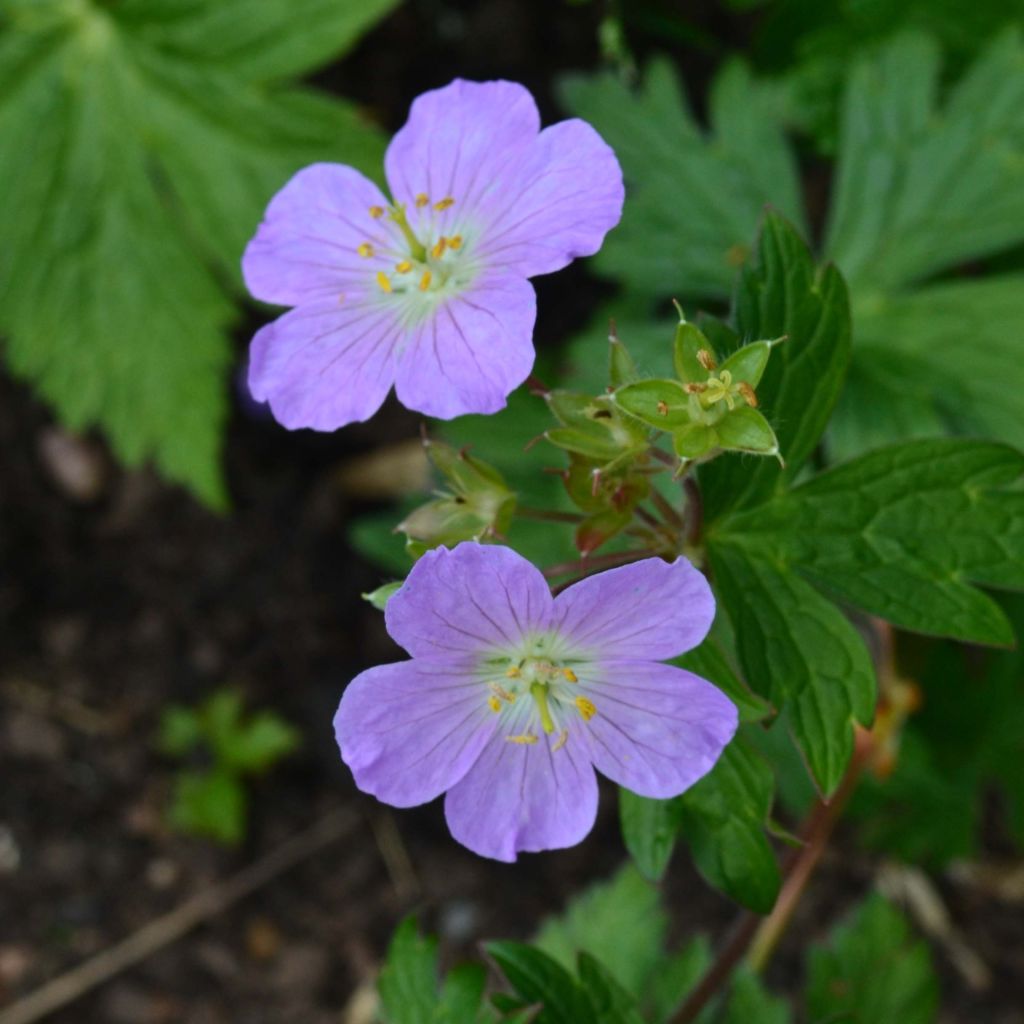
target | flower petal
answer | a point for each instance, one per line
(457, 140)
(657, 729)
(565, 196)
(649, 609)
(324, 365)
(472, 599)
(411, 730)
(307, 245)
(523, 797)
(472, 352)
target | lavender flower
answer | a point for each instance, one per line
(427, 291)
(512, 698)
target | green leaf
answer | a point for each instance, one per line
(907, 533)
(695, 199)
(694, 440)
(750, 1003)
(921, 189)
(380, 597)
(783, 293)
(677, 977)
(649, 830)
(180, 731)
(662, 404)
(943, 358)
(871, 971)
(798, 650)
(723, 822)
(538, 978)
(263, 740)
(461, 995)
(620, 922)
(136, 167)
(610, 1002)
(408, 980)
(209, 804)
(746, 430)
(710, 661)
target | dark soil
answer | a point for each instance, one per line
(114, 605)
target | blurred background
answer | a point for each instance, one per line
(181, 578)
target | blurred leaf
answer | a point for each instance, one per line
(264, 739)
(782, 292)
(695, 198)
(136, 167)
(921, 189)
(749, 1003)
(461, 995)
(677, 977)
(872, 971)
(180, 731)
(620, 922)
(380, 597)
(611, 1003)
(210, 804)
(945, 357)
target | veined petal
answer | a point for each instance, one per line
(324, 365)
(307, 246)
(523, 797)
(656, 729)
(471, 352)
(411, 730)
(458, 139)
(565, 196)
(649, 609)
(472, 599)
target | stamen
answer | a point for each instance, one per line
(706, 359)
(383, 281)
(494, 703)
(563, 737)
(586, 708)
(425, 281)
(570, 676)
(376, 212)
(524, 738)
(365, 250)
(438, 251)
(444, 203)
(749, 396)
(499, 691)
(455, 242)
(416, 249)
(513, 672)
(694, 388)
(404, 267)
(662, 408)
(422, 199)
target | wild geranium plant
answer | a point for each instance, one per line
(708, 607)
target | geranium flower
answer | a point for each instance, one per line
(512, 697)
(427, 290)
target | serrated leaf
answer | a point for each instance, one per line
(921, 189)
(872, 970)
(723, 823)
(134, 172)
(907, 533)
(695, 199)
(799, 651)
(620, 922)
(782, 292)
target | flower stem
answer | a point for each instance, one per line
(665, 507)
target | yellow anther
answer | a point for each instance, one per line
(376, 212)
(422, 199)
(563, 737)
(494, 703)
(404, 267)
(585, 708)
(513, 672)
(499, 691)
(425, 281)
(438, 251)
(444, 203)
(570, 675)
(455, 242)
(524, 738)
(365, 250)
(383, 281)
(748, 394)
(706, 359)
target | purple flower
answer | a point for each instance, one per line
(428, 290)
(513, 698)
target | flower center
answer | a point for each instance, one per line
(540, 688)
(721, 391)
(426, 264)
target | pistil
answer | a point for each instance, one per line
(416, 247)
